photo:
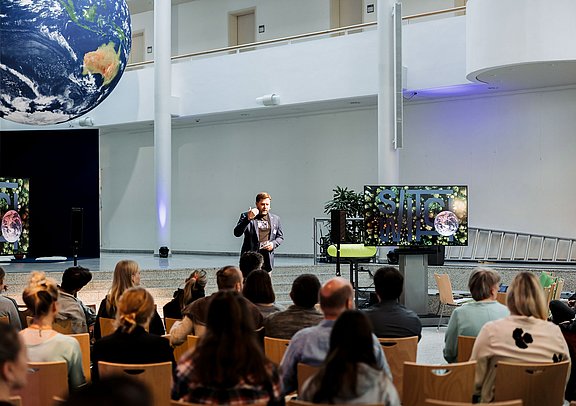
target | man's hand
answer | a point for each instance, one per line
(269, 246)
(252, 212)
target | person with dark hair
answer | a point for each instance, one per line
(13, 362)
(71, 308)
(118, 390)
(228, 365)
(250, 261)
(301, 314)
(258, 289)
(261, 229)
(194, 288)
(350, 374)
(468, 319)
(131, 343)
(389, 318)
(196, 313)
(310, 345)
(8, 306)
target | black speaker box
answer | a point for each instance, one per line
(337, 226)
(76, 226)
(437, 258)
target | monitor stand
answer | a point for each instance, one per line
(414, 268)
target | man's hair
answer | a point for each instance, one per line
(305, 290)
(262, 195)
(337, 299)
(227, 277)
(389, 283)
(258, 288)
(111, 391)
(481, 282)
(75, 278)
(2, 275)
(250, 261)
(9, 345)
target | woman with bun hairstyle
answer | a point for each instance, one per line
(130, 343)
(43, 343)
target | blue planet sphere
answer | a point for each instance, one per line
(60, 58)
(446, 223)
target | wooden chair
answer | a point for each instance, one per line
(191, 341)
(453, 382)
(501, 297)
(15, 400)
(84, 341)
(295, 402)
(169, 322)
(558, 290)
(465, 345)
(5, 319)
(107, 326)
(431, 402)
(274, 348)
(446, 295)
(535, 384)
(158, 377)
(397, 351)
(179, 350)
(179, 403)
(45, 380)
(304, 371)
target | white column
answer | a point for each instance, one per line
(388, 171)
(162, 121)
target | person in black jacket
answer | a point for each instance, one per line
(193, 289)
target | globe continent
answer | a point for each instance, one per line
(60, 58)
(11, 226)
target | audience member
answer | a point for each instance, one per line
(13, 362)
(563, 316)
(468, 319)
(258, 289)
(301, 314)
(350, 374)
(131, 343)
(43, 343)
(195, 314)
(70, 307)
(8, 305)
(250, 261)
(126, 276)
(524, 336)
(389, 318)
(228, 365)
(116, 390)
(193, 290)
(310, 345)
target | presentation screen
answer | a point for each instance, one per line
(14, 211)
(415, 215)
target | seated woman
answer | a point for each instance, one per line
(258, 289)
(130, 343)
(126, 275)
(13, 362)
(193, 289)
(524, 336)
(43, 343)
(349, 373)
(468, 319)
(228, 365)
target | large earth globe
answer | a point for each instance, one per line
(60, 58)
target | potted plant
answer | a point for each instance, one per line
(19, 253)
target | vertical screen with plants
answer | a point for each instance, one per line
(15, 221)
(416, 215)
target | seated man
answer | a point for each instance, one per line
(310, 345)
(389, 318)
(195, 314)
(8, 305)
(301, 314)
(70, 307)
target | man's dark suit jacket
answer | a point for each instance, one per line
(251, 242)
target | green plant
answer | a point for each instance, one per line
(353, 204)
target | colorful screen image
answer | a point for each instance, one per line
(415, 215)
(15, 222)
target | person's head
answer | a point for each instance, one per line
(126, 275)
(194, 287)
(483, 284)
(75, 278)
(135, 308)
(305, 290)
(263, 202)
(526, 296)
(117, 390)
(13, 358)
(2, 275)
(41, 295)
(335, 297)
(249, 261)
(229, 278)
(389, 283)
(258, 287)
(228, 314)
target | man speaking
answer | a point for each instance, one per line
(262, 230)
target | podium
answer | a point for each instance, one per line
(414, 267)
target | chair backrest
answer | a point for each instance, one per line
(158, 377)
(179, 403)
(107, 326)
(5, 319)
(45, 380)
(63, 326)
(443, 382)
(501, 297)
(296, 402)
(535, 384)
(398, 351)
(304, 372)
(169, 322)
(444, 288)
(558, 290)
(432, 402)
(465, 345)
(274, 348)
(15, 400)
(191, 341)
(179, 350)
(84, 341)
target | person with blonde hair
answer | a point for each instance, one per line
(126, 276)
(131, 343)
(43, 343)
(524, 336)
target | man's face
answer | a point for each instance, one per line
(263, 206)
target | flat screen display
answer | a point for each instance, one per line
(415, 215)
(14, 214)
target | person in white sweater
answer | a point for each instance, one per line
(524, 336)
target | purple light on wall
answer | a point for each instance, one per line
(468, 89)
(162, 213)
